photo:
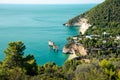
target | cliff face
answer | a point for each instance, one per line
(75, 48)
(82, 22)
(84, 25)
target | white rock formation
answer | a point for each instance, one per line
(84, 25)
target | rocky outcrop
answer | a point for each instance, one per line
(75, 48)
(50, 43)
(67, 50)
(53, 45)
(82, 50)
(82, 23)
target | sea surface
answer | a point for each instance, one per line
(35, 25)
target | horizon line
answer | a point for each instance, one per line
(49, 3)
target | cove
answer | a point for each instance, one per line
(35, 25)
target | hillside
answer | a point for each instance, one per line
(100, 28)
(104, 14)
(97, 53)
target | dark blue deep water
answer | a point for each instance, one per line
(35, 25)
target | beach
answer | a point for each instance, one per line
(72, 56)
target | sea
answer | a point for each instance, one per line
(35, 24)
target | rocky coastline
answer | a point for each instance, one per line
(82, 23)
(77, 47)
(74, 49)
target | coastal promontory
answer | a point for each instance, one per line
(99, 30)
(102, 15)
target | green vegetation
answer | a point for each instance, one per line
(103, 37)
(101, 42)
(16, 66)
(105, 14)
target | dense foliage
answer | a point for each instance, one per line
(103, 37)
(104, 14)
(102, 42)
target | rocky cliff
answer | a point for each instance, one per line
(77, 49)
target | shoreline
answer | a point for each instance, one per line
(72, 56)
(82, 23)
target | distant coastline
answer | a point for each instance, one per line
(37, 27)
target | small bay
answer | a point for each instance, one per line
(35, 25)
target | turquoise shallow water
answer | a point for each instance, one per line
(35, 25)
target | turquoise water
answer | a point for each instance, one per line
(35, 25)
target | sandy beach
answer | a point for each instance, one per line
(72, 56)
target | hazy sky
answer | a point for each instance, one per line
(50, 1)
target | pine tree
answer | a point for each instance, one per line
(14, 57)
(14, 54)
